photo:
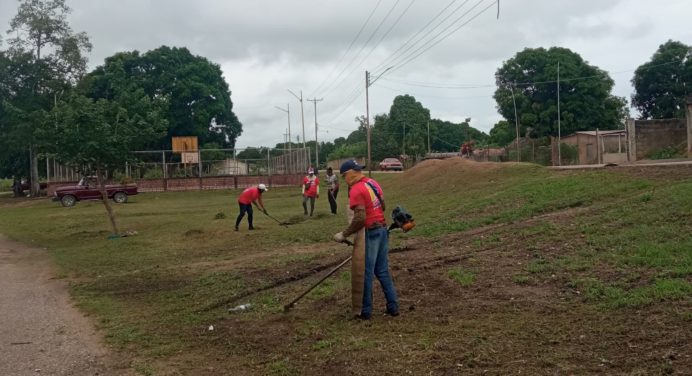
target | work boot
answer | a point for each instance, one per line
(392, 313)
(363, 317)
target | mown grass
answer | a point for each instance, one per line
(149, 292)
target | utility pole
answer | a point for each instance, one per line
(368, 83)
(559, 151)
(516, 119)
(428, 136)
(302, 120)
(317, 145)
(288, 112)
(403, 143)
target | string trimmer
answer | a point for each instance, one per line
(401, 219)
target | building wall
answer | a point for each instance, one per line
(653, 135)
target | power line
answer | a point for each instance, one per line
(349, 46)
(437, 85)
(434, 96)
(329, 87)
(396, 53)
(431, 44)
(458, 86)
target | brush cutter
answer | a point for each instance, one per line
(402, 219)
(290, 305)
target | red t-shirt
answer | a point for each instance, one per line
(311, 186)
(361, 194)
(249, 195)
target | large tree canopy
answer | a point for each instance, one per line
(45, 58)
(662, 83)
(585, 99)
(197, 96)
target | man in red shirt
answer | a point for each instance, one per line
(311, 191)
(366, 199)
(250, 196)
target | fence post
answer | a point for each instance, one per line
(269, 169)
(165, 170)
(199, 168)
(598, 147)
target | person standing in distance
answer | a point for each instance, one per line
(333, 189)
(250, 196)
(311, 191)
(366, 199)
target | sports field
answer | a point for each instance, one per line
(512, 268)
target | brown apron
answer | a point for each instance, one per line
(357, 267)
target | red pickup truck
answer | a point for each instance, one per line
(87, 189)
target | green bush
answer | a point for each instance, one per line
(5, 185)
(669, 152)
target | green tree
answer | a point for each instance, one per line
(56, 61)
(197, 95)
(585, 99)
(446, 136)
(662, 84)
(97, 136)
(502, 133)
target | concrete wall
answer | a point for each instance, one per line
(654, 135)
(688, 114)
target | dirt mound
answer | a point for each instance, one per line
(435, 168)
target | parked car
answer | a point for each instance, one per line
(391, 164)
(87, 189)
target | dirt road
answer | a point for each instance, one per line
(41, 332)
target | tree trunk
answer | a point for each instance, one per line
(104, 197)
(35, 187)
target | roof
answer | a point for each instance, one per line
(602, 133)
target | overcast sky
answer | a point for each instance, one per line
(323, 48)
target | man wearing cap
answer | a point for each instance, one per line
(366, 199)
(311, 191)
(250, 196)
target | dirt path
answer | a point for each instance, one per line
(41, 332)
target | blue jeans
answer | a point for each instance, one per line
(244, 208)
(376, 264)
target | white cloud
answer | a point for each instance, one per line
(268, 46)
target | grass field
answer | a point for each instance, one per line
(512, 268)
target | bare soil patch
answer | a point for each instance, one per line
(41, 331)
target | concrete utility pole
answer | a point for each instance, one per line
(317, 145)
(302, 118)
(516, 120)
(428, 136)
(288, 112)
(559, 149)
(368, 83)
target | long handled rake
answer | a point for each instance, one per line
(277, 221)
(290, 305)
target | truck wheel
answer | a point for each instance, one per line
(68, 200)
(120, 197)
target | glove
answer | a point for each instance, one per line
(339, 237)
(317, 196)
(265, 211)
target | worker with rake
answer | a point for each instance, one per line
(371, 243)
(311, 191)
(250, 196)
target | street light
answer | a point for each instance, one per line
(288, 112)
(302, 120)
(514, 101)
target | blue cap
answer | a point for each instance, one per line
(350, 165)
